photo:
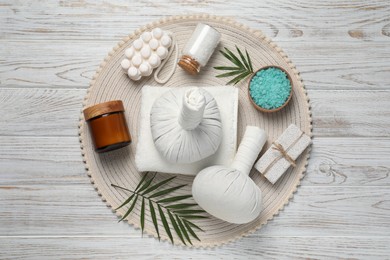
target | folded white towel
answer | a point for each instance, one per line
(147, 158)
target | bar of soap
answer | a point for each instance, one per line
(273, 164)
(146, 53)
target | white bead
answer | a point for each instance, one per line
(153, 44)
(137, 44)
(154, 61)
(166, 41)
(145, 52)
(162, 52)
(146, 37)
(125, 64)
(136, 60)
(145, 69)
(134, 73)
(129, 53)
(157, 33)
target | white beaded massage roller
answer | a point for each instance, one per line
(147, 53)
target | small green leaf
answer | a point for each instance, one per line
(189, 211)
(229, 74)
(158, 185)
(243, 58)
(233, 56)
(174, 199)
(193, 216)
(249, 60)
(229, 58)
(142, 215)
(244, 65)
(147, 184)
(141, 181)
(190, 230)
(165, 223)
(130, 209)
(166, 191)
(226, 68)
(126, 201)
(192, 225)
(176, 227)
(181, 206)
(183, 229)
(154, 218)
(239, 78)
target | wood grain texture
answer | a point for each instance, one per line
(57, 161)
(88, 19)
(314, 211)
(50, 51)
(122, 247)
(71, 64)
(342, 113)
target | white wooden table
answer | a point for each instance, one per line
(49, 51)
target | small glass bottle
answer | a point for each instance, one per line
(107, 125)
(199, 48)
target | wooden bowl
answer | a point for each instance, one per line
(275, 109)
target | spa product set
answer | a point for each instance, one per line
(192, 130)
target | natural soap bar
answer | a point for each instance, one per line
(274, 162)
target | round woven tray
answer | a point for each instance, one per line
(118, 167)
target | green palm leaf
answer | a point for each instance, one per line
(174, 199)
(146, 184)
(193, 225)
(243, 58)
(142, 217)
(239, 78)
(183, 229)
(158, 185)
(130, 209)
(189, 211)
(142, 181)
(179, 213)
(249, 60)
(193, 216)
(181, 206)
(167, 191)
(126, 201)
(234, 57)
(190, 230)
(226, 68)
(242, 69)
(154, 218)
(176, 227)
(165, 223)
(229, 74)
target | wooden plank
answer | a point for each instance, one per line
(357, 20)
(252, 247)
(323, 65)
(40, 112)
(335, 113)
(76, 210)
(57, 161)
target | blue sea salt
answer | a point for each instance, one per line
(270, 88)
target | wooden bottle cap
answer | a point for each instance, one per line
(103, 108)
(189, 64)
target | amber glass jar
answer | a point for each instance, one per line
(107, 125)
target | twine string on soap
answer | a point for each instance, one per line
(170, 74)
(283, 153)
